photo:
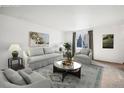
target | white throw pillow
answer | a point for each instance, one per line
(35, 51)
(14, 77)
(78, 51)
(49, 50)
(56, 49)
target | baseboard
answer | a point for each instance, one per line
(107, 61)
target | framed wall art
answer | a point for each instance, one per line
(108, 41)
(37, 39)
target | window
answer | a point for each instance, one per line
(81, 40)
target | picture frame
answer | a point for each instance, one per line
(37, 39)
(108, 41)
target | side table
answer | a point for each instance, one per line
(16, 66)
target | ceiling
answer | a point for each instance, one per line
(66, 17)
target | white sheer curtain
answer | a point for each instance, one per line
(82, 39)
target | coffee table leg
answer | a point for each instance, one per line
(63, 75)
(78, 73)
(54, 69)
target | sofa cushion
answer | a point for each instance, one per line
(31, 78)
(25, 76)
(28, 70)
(14, 77)
(85, 51)
(43, 57)
(35, 76)
(35, 51)
(49, 50)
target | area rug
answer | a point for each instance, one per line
(90, 77)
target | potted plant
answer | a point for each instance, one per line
(68, 52)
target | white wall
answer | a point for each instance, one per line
(68, 36)
(112, 55)
(14, 30)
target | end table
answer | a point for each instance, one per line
(17, 65)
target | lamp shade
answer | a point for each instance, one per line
(14, 47)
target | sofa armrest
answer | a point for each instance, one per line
(26, 58)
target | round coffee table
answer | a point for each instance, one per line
(74, 69)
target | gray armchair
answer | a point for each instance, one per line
(84, 56)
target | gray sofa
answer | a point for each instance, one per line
(37, 57)
(84, 56)
(37, 80)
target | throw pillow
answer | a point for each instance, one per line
(14, 77)
(85, 51)
(56, 50)
(49, 50)
(78, 51)
(25, 76)
(35, 51)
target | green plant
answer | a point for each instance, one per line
(68, 52)
(67, 46)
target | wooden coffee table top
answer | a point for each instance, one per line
(74, 66)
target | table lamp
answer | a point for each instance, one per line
(14, 50)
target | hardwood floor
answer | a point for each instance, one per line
(113, 74)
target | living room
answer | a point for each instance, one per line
(61, 25)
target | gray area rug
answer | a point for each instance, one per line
(90, 77)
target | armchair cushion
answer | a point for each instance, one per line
(84, 56)
(82, 59)
(14, 77)
(85, 51)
